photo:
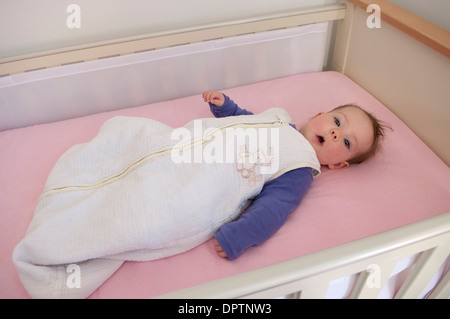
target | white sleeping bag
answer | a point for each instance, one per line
(141, 190)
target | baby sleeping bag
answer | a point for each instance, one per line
(141, 190)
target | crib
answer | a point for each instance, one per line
(402, 66)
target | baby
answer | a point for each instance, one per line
(345, 135)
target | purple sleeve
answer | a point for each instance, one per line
(267, 213)
(229, 108)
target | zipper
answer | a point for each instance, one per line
(131, 167)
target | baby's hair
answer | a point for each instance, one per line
(379, 132)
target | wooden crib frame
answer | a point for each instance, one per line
(360, 53)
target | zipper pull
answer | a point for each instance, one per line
(281, 118)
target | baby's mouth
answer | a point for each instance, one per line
(320, 139)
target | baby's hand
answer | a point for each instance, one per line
(213, 97)
(219, 249)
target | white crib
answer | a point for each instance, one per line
(343, 42)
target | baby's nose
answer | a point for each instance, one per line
(335, 134)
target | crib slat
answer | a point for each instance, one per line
(371, 281)
(442, 290)
(315, 292)
(425, 268)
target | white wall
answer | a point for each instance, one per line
(435, 11)
(29, 27)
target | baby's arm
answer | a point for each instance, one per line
(290, 188)
(225, 107)
(266, 215)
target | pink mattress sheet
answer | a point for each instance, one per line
(405, 183)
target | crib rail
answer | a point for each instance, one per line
(372, 258)
(169, 39)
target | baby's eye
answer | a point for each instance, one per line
(347, 143)
(337, 122)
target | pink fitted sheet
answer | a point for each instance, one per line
(405, 183)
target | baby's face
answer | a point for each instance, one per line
(339, 135)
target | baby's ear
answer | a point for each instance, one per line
(340, 165)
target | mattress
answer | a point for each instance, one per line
(403, 184)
